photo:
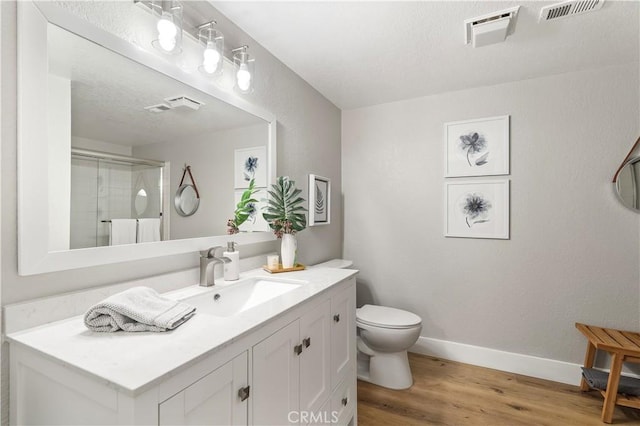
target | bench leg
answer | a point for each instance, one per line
(612, 388)
(589, 359)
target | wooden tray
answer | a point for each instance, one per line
(296, 267)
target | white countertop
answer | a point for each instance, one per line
(133, 362)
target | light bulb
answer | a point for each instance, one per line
(211, 58)
(167, 32)
(243, 77)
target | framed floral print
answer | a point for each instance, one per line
(477, 208)
(319, 200)
(477, 147)
(250, 163)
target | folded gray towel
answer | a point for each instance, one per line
(599, 379)
(137, 309)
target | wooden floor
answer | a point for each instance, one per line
(450, 393)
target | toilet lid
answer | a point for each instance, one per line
(386, 317)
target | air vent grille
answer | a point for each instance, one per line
(569, 8)
(184, 101)
(158, 108)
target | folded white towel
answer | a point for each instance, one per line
(148, 230)
(137, 309)
(122, 231)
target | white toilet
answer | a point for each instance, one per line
(384, 335)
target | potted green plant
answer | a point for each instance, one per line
(285, 215)
(245, 209)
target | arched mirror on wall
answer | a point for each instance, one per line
(626, 181)
(84, 88)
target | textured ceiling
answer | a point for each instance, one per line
(109, 93)
(366, 53)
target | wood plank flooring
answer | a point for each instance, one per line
(451, 393)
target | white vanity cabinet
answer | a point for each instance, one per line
(291, 369)
(295, 366)
(305, 372)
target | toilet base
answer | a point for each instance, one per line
(389, 370)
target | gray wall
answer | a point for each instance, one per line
(308, 142)
(574, 249)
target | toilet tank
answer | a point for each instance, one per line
(335, 263)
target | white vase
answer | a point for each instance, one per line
(288, 250)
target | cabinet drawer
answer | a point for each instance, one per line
(344, 399)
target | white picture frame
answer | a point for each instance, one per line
(319, 200)
(478, 147)
(254, 223)
(257, 169)
(477, 208)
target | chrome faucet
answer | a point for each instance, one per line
(208, 257)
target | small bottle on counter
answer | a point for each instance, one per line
(232, 268)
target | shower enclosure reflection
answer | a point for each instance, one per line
(106, 187)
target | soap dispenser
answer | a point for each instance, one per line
(232, 268)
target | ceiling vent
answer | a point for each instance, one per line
(158, 108)
(491, 28)
(569, 8)
(184, 101)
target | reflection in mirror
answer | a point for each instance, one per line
(141, 202)
(103, 187)
(627, 184)
(102, 102)
(186, 201)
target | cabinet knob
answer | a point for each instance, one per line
(336, 317)
(243, 393)
(345, 401)
(297, 349)
(307, 342)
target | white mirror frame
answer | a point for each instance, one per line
(34, 230)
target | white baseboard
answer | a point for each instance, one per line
(542, 368)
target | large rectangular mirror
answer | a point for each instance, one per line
(94, 123)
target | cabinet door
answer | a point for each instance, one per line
(315, 360)
(276, 378)
(212, 400)
(343, 333)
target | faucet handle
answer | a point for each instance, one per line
(210, 252)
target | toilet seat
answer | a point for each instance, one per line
(385, 317)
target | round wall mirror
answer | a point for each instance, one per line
(186, 200)
(627, 184)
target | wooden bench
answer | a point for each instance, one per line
(624, 346)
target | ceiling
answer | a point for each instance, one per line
(366, 53)
(109, 93)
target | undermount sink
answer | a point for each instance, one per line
(241, 296)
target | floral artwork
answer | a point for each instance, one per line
(477, 147)
(250, 167)
(319, 197)
(477, 208)
(250, 163)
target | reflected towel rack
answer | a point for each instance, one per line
(109, 220)
(138, 224)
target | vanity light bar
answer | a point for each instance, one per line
(212, 42)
